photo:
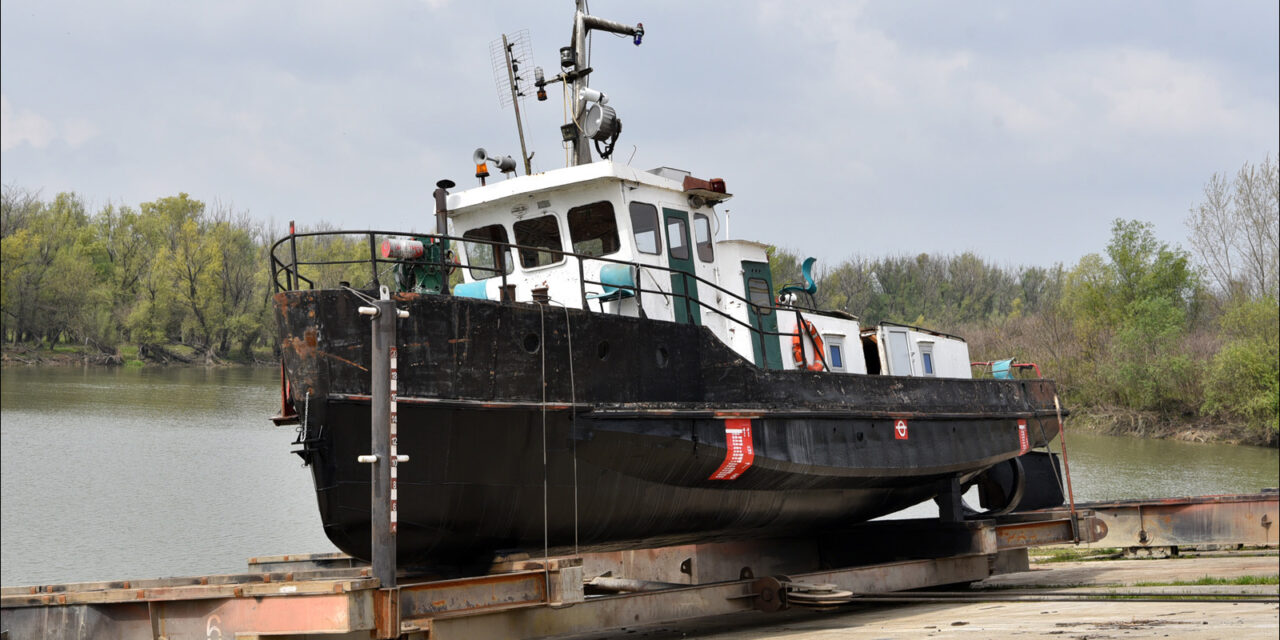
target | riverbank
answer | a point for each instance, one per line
(1113, 421)
(66, 355)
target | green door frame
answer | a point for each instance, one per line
(680, 259)
(764, 345)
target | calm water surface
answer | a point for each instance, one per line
(115, 474)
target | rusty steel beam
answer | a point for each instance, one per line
(1022, 535)
(225, 615)
(1230, 519)
(467, 595)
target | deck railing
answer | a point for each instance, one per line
(287, 268)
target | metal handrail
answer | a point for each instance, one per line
(293, 279)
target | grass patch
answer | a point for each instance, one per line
(183, 350)
(134, 364)
(129, 351)
(1072, 554)
(1210, 580)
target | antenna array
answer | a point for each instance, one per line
(522, 65)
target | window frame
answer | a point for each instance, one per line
(656, 229)
(494, 269)
(556, 252)
(709, 243)
(588, 209)
(765, 309)
(837, 357)
(928, 364)
(683, 236)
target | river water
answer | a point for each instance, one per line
(137, 473)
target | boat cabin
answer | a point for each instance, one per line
(644, 243)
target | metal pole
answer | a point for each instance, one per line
(381, 495)
(373, 259)
(1066, 467)
(291, 275)
(577, 108)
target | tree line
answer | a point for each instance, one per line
(1140, 326)
(172, 271)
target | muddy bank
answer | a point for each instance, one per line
(173, 355)
(1146, 424)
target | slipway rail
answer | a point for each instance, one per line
(882, 561)
(1161, 525)
(297, 596)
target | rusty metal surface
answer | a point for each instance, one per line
(211, 586)
(672, 605)
(227, 617)
(304, 562)
(706, 562)
(1020, 535)
(533, 597)
(1229, 519)
(471, 595)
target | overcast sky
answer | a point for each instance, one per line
(1014, 129)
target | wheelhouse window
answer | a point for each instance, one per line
(678, 238)
(758, 294)
(926, 357)
(593, 229)
(702, 237)
(483, 258)
(644, 225)
(542, 232)
(835, 351)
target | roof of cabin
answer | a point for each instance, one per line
(529, 187)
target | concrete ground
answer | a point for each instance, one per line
(1057, 620)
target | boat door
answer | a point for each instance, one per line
(899, 346)
(758, 283)
(680, 259)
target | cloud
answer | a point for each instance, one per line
(19, 126)
(1150, 91)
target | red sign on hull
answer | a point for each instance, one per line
(740, 454)
(900, 429)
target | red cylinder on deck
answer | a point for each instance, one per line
(401, 248)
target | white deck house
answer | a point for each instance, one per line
(642, 232)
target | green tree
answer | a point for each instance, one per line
(1130, 311)
(50, 284)
(1244, 378)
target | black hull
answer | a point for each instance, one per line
(631, 443)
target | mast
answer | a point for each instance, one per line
(582, 23)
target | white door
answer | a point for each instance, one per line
(899, 353)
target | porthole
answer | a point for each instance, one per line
(663, 358)
(602, 349)
(532, 342)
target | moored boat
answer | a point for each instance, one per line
(584, 364)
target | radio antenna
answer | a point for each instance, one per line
(512, 58)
